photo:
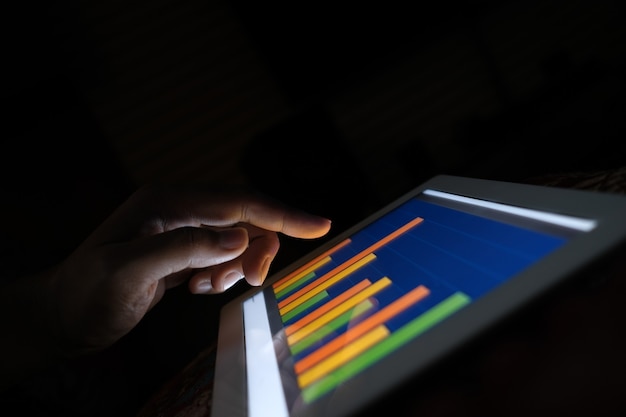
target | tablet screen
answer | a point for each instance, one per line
(382, 290)
(382, 287)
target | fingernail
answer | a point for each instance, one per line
(231, 279)
(205, 286)
(265, 269)
(233, 238)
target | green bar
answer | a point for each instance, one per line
(332, 326)
(403, 335)
(304, 280)
(308, 303)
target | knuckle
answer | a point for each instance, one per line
(195, 238)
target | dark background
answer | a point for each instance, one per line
(336, 107)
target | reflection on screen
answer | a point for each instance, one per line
(384, 286)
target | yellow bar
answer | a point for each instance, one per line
(356, 258)
(326, 307)
(313, 261)
(284, 284)
(344, 355)
(376, 319)
(337, 311)
(302, 297)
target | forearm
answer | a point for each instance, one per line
(29, 338)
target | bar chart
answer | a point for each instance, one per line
(382, 287)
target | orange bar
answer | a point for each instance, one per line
(304, 273)
(363, 327)
(352, 260)
(326, 307)
(345, 355)
(370, 291)
(304, 297)
(312, 262)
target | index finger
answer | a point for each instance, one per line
(170, 208)
(276, 217)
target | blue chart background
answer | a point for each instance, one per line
(449, 251)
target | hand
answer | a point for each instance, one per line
(158, 239)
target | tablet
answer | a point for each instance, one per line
(383, 301)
